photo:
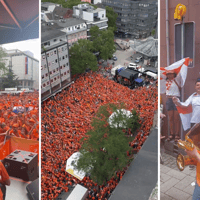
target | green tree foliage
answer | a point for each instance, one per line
(2, 61)
(68, 3)
(104, 149)
(112, 17)
(153, 32)
(103, 42)
(9, 80)
(82, 57)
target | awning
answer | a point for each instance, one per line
(19, 20)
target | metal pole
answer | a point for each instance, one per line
(182, 56)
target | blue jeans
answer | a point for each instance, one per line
(196, 194)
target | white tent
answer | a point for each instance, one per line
(114, 115)
(71, 169)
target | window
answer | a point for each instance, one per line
(57, 69)
(44, 85)
(68, 71)
(103, 16)
(54, 71)
(56, 60)
(67, 64)
(46, 74)
(55, 52)
(58, 77)
(65, 73)
(42, 76)
(63, 57)
(55, 79)
(55, 40)
(45, 65)
(47, 54)
(47, 82)
(60, 67)
(51, 80)
(50, 72)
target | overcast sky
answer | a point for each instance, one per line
(27, 45)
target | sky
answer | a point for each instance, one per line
(27, 45)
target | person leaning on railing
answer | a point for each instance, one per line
(4, 180)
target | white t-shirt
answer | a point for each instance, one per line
(172, 88)
(194, 100)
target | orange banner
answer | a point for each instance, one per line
(4, 150)
(21, 144)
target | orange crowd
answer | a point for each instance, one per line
(66, 118)
(19, 116)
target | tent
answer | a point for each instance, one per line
(128, 73)
(115, 115)
(19, 20)
(148, 47)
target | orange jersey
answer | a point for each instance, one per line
(198, 174)
(3, 177)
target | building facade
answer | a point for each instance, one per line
(55, 68)
(136, 19)
(74, 28)
(93, 17)
(25, 67)
(192, 15)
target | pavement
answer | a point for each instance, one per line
(174, 184)
(141, 177)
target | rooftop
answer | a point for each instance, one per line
(69, 22)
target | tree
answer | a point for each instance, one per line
(10, 79)
(103, 42)
(68, 3)
(104, 149)
(112, 17)
(153, 32)
(3, 67)
(82, 57)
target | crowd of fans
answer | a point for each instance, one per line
(19, 116)
(66, 118)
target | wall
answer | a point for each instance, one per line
(192, 14)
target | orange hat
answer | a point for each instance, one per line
(170, 71)
(32, 120)
(15, 125)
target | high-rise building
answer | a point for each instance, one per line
(25, 67)
(136, 19)
(55, 68)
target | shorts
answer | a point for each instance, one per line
(170, 105)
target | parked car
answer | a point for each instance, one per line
(132, 65)
(138, 59)
(114, 58)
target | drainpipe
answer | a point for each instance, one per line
(167, 32)
(167, 44)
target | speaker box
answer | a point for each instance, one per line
(33, 190)
(22, 164)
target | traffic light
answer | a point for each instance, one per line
(180, 11)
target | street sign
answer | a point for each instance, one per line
(189, 46)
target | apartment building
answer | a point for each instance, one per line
(55, 68)
(93, 17)
(74, 28)
(136, 19)
(25, 67)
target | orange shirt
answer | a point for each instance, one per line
(198, 174)
(3, 177)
